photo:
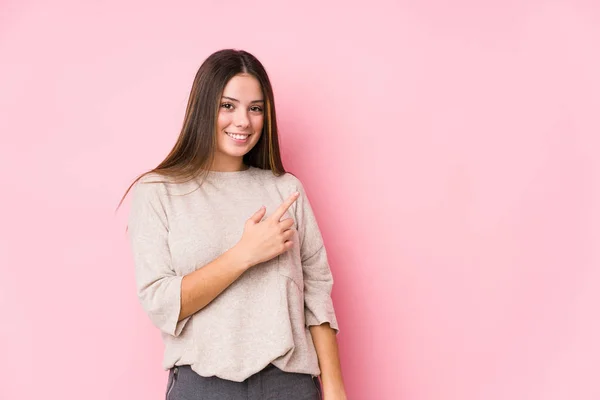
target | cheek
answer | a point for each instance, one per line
(223, 121)
(257, 123)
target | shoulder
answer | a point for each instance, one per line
(150, 184)
(284, 181)
(153, 187)
(158, 185)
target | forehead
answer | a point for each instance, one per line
(243, 85)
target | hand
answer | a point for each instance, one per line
(265, 240)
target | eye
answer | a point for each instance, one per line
(256, 109)
(227, 106)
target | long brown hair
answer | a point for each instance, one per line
(193, 153)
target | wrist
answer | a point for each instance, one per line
(333, 385)
(337, 393)
(238, 258)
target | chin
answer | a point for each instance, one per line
(233, 150)
(237, 152)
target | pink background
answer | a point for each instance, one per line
(450, 149)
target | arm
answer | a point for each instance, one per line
(169, 299)
(260, 242)
(318, 306)
(202, 286)
(324, 338)
(158, 285)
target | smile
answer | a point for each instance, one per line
(238, 136)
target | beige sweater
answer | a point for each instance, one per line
(263, 317)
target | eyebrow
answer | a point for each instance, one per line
(236, 100)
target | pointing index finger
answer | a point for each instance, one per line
(285, 206)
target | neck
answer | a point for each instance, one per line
(231, 165)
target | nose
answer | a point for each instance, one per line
(241, 120)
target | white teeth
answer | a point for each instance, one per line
(238, 137)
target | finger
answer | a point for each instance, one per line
(258, 216)
(286, 224)
(289, 234)
(285, 206)
(288, 245)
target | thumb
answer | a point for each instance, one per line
(258, 216)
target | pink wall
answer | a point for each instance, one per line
(450, 149)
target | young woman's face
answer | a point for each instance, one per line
(240, 120)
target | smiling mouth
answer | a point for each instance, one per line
(238, 136)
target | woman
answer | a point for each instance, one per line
(229, 260)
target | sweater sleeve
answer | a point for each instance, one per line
(158, 286)
(318, 280)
